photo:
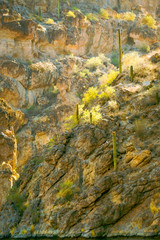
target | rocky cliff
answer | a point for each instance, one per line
(68, 183)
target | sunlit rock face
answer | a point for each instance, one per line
(150, 5)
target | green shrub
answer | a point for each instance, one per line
(94, 62)
(90, 95)
(149, 21)
(66, 191)
(129, 16)
(84, 73)
(107, 93)
(70, 14)
(71, 121)
(104, 13)
(17, 200)
(142, 67)
(144, 48)
(115, 59)
(96, 115)
(49, 21)
(108, 78)
(92, 17)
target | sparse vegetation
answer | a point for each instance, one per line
(90, 95)
(49, 21)
(17, 200)
(106, 93)
(129, 16)
(71, 14)
(144, 48)
(104, 13)
(142, 67)
(92, 17)
(94, 62)
(66, 191)
(108, 78)
(92, 116)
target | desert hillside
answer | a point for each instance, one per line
(80, 116)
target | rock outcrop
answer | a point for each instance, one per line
(11, 121)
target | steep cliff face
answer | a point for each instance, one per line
(72, 190)
(11, 121)
(122, 5)
(68, 186)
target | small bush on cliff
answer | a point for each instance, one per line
(96, 115)
(66, 191)
(17, 200)
(106, 93)
(92, 17)
(142, 67)
(108, 78)
(144, 48)
(70, 14)
(90, 95)
(49, 21)
(129, 16)
(149, 21)
(94, 62)
(104, 14)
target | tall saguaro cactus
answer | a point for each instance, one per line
(90, 118)
(58, 7)
(120, 51)
(131, 73)
(77, 114)
(114, 151)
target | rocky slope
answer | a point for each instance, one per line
(68, 186)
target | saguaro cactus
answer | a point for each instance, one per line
(131, 73)
(157, 98)
(77, 114)
(58, 7)
(120, 51)
(90, 118)
(114, 151)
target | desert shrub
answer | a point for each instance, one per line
(52, 141)
(84, 73)
(104, 13)
(141, 66)
(140, 127)
(71, 121)
(24, 232)
(129, 16)
(92, 17)
(94, 62)
(144, 48)
(17, 199)
(155, 203)
(149, 21)
(115, 59)
(90, 95)
(32, 228)
(108, 78)
(76, 9)
(49, 21)
(107, 93)
(66, 191)
(96, 115)
(70, 14)
(12, 231)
